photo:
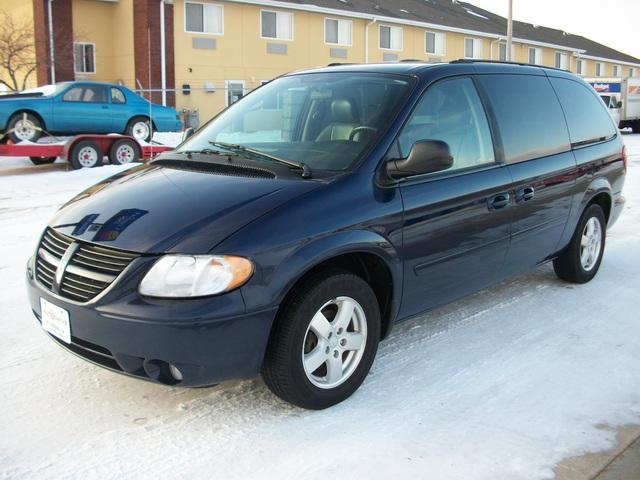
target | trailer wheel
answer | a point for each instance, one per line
(124, 151)
(85, 154)
(42, 160)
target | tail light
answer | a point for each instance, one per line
(625, 159)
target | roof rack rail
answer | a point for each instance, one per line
(524, 64)
(337, 64)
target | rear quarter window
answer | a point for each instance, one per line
(587, 118)
(528, 114)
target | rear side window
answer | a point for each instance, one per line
(587, 118)
(451, 111)
(529, 116)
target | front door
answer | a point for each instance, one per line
(457, 222)
(83, 108)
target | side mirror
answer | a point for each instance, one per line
(426, 156)
(188, 133)
(618, 104)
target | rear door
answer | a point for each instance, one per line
(536, 146)
(456, 222)
(83, 108)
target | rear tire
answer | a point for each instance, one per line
(140, 128)
(580, 262)
(42, 160)
(85, 154)
(124, 151)
(24, 127)
(324, 341)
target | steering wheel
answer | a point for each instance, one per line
(363, 128)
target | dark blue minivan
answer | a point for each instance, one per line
(291, 232)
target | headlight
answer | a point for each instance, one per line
(180, 276)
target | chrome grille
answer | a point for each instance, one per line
(87, 271)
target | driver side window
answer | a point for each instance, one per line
(451, 111)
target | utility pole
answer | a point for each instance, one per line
(509, 31)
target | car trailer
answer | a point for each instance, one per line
(85, 151)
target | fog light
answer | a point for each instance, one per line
(175, 373)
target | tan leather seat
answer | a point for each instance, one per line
(343, 121)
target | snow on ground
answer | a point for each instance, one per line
(501, 385)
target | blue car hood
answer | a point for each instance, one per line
(156, 209)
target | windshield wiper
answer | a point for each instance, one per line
(240, 149)
(204, 151)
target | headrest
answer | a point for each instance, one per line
(342, 111)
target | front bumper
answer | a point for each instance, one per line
(208, 340)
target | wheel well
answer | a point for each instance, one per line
(30, 112)
(604, 200)
(371, 268)
(146, 117)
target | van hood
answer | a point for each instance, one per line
(158, 209)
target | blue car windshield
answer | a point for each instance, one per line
(324, 120)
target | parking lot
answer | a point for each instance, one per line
(503, 384)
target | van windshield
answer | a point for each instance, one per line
(324, 120)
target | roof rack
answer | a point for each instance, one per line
(524, 64)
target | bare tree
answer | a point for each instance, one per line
(18, 58)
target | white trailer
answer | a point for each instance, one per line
(622, 98)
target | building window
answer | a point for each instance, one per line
(616, 70)
(535, 56)
(562, 60)
(434, 43)
(278, 25)
(579, 66)
(235, 91)
(472, 48)
(390, 37)
(599, 69)
(203, 18)
(337, 32)
(632, 71)
(84, 57)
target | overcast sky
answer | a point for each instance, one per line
(615, 23)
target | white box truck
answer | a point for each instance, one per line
(622, 97)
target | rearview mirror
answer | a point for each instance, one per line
(426, 156)
(188, 133)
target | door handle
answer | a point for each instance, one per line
(525, 194)
(498, 201)
(104, 107)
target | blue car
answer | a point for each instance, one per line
(82, 107)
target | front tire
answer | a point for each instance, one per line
(140, 129)
(580, 262)
(324, 341)
(24, 127)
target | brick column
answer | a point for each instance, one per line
(62, 40)
(146, 26)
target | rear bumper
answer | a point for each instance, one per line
(616, 209)
(199, 337)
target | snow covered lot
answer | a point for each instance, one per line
(501, 385)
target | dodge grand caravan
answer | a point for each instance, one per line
(290, 233)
